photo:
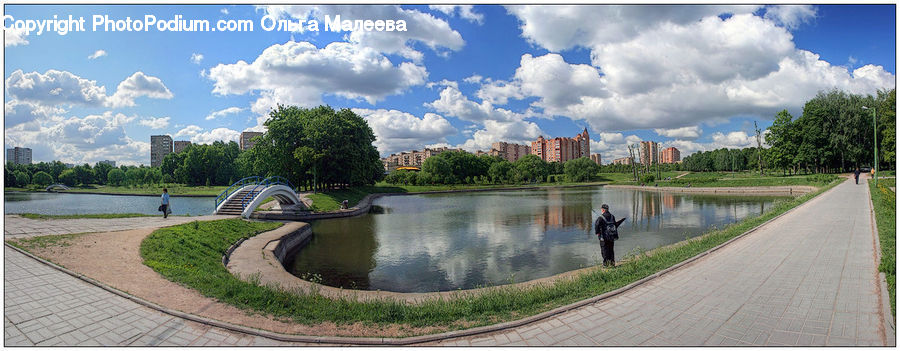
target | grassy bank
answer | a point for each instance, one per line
(884, 202)
(91, 215)
(174, 189)
(190, 254)
(743, 179)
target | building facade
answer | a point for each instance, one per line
(245, 139)
(622, 161)
(19, 155)
(669, 155)
(649, 152)
(508, 151)
(109, 162)
(596, 158)
(160, 146)
(413, 158)
(180, 145)
(562, 149)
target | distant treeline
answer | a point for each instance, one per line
(459, 167)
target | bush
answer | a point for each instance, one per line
(22, 178)
(68, 177)
(821, 178)
(647, 178)
(42, 178)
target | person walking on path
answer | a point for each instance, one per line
(856, 175)
(607, 232)
(165, 203)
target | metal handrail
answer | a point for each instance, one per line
(235, 187)
(275, 180)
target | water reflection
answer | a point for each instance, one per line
(65, 204)
(458, 241)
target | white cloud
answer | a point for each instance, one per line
(453, 103)
(465, 11)
(155, 123)
(137, 85)
(612, 138)
(189, 131)
(473, 79)
(92, 131)
(428, 30)
(54, 88)
(19, 112)
(515, 131)
(223, 112)
(692, 132)
(218, 134)
(97, 54)
(737, 139)
(196, 58)
(399, 131)
(790, 16)
(298, 73)
(14, 37)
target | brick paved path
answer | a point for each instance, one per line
(807, 278)
(18, 227)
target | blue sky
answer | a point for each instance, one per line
(693, 77)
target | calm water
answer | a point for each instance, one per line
(58, 204)
(445, 242)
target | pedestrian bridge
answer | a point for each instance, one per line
(56, 187)
(247, 194)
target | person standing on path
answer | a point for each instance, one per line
(606, 229)
(856, 175)
(165, 203)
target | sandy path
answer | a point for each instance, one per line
(113, 258)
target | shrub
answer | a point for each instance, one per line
(647, 178)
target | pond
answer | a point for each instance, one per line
(441, 242)
(71, 203)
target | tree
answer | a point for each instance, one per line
(22, 179)
(115, 176)
(438, 167)
(84, 174)
(42, 178)
(68, 177)
(499, 172)
(782, 141)
(580, 169)
(530, 168)
(100, 172)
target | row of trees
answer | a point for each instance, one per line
(204, 164)
(458, 167)
(722, 160)
(46, 173)
(834, 133)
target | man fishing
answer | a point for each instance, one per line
(606, 228)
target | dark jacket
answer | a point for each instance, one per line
(600, 224)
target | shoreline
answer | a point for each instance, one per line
(793, 190)
(99, 193)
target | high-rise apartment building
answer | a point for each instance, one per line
(508, 151)
(19, 155)
(649, 152)
(180, 145)
(669, 155)
(622, 161)
(160, 146)
(561, 149)
(413, 158)
(595, 158)
(246, 143)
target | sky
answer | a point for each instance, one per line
(695, 77)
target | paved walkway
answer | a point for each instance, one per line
(808, 278)
(18, 227)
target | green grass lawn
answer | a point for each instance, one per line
(174, 189)
(884, 202)
(190, 254)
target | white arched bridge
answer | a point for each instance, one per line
(53, 187)
(247, 194)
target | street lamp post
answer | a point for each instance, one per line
(875, 141)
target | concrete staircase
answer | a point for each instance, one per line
(233, 205)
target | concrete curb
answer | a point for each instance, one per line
(407, 340)
(887, 319)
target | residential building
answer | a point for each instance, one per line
(669, 155)
(595, 158)
(246, 143)
(19, 155)
(411, 158)
(160, 146)
(622, 161)
(508, 151)
(562, 149)
(109, 162)
(180, 145)
(649, 153)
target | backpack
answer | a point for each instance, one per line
(610, 232)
